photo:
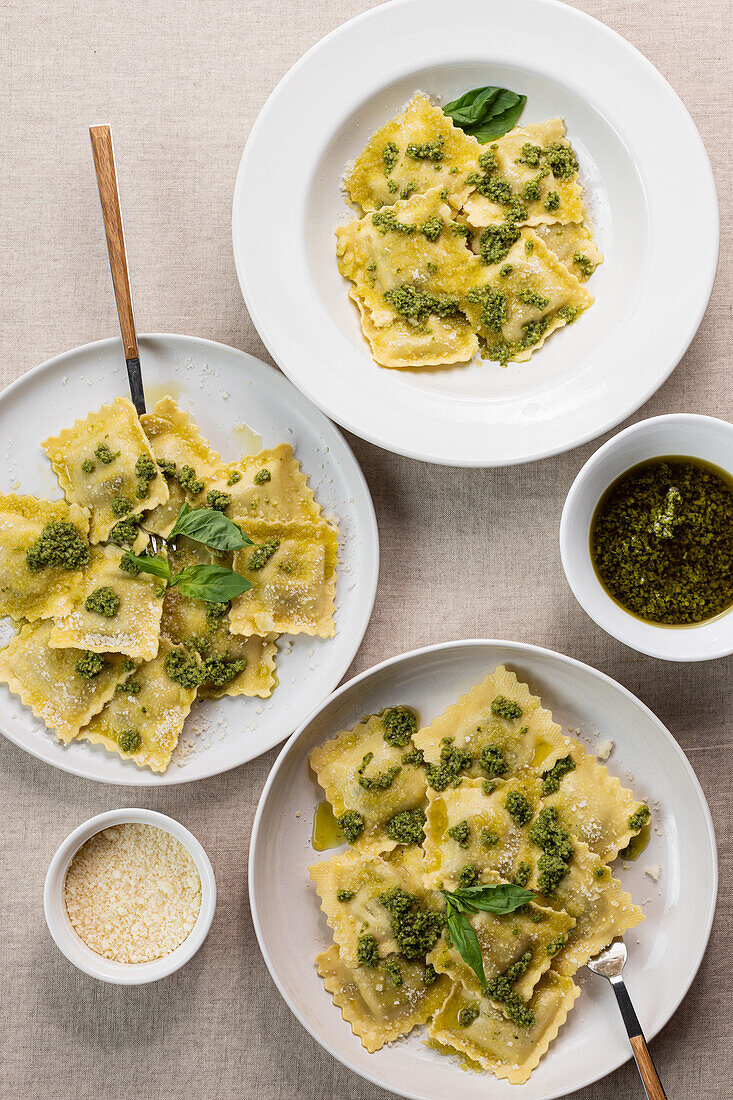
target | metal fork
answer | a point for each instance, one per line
(609, 964)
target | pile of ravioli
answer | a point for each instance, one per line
(491, 791)
(128, 680)
(465, 246)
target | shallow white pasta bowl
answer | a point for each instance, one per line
(680, 434)
(622, 118)
(70, 943)
(240, 404)
(291, 928)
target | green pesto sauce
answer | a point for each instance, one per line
(431, 975)
(427, 150)
(366, 951)
(494, 306)
(217, 500)
(522, 874)
(125, 532)
(415, 929)
(59, 546)
(392, 967)
(494, 762)
(400, 723)
(661, 541)
(501, 989)
(90, 665)
(386, 221)
(390, 156)
(409, 189)
(447, 773)
(262, 553)
(130, 687)
(556, 945)
(146, 471)
(469, 875)
(552, 202)
(351, 825)
(432, 228)
(88, 466)
(586, 265)
(191, 485)
(505, 270)
(379, 782)
(532, 298)
(406, 827)
(461, 833)
(393, 186)
(167, 466)
(638, 843)
(518, 807)
(103, 601)
(129, 740)
(104, 454)
(415, 304)
(552, 778)
(639, 817)
(489, 838)
(261, 477)
(502, 707)
(557, 850)
(183, 670)
(467, 1015)
(120, 507)
(345, 895)
(235, 476)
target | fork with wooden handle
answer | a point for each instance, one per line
(104, 163)
(609, 964)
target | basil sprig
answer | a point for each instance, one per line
(500, 899)
(209, 527)
(213, 583)
(486, 113)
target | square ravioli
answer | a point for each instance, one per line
(417, 150)
(476, 1028)
(269, 486)
(377, 1009)
(44, 551)
(115, 612)
(143, 721)
(408, 262)
(532, 165)
(573, 245)
(367, 778)
(63, 687)
(406, 344)
(184, 456)
(527, 939)
(292, 569)
(470, 826)
(499, 726)
(524, 293)
(104, 463)
(351, 886)
(237, 665)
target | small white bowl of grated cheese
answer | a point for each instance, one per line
(129, 896)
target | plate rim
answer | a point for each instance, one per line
(179, 777)
(466, 643)
(268, 335)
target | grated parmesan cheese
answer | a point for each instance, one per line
(133, 893)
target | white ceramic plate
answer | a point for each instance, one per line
(227, 391)
(679, 908)
(623, 119)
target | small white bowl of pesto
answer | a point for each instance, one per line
(646, 537)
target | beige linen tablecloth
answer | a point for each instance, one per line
(180, 82)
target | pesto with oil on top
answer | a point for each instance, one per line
(662, 541)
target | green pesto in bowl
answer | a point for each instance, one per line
(661, 540)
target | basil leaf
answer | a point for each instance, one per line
(214, 583)
(149, 563)
(209, 527)
(501, 899)
(486, 113)
(465, 941)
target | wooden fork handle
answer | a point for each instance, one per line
(644, 1064)
(104, 163)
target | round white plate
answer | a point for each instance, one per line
(664, 951)
(226, 391)
(623, 119)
